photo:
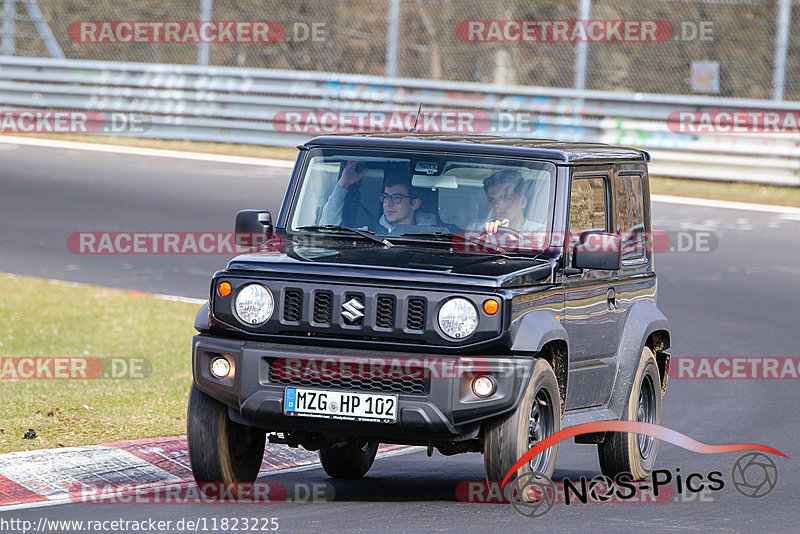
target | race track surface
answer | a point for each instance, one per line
(741, 299)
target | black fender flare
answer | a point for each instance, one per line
(641, 320)
(201, 320)
(532, 331)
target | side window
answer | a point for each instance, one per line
(588, 206)
(630, 217)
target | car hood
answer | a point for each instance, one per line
(349, 258)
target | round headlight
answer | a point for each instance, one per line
(458, 318)
(254, 304)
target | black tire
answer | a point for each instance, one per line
(220, 450)
(349, 461)
(622, 452)
(508, 437)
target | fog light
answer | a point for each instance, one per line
(220, 367)
(484, 386)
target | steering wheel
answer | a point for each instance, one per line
(501, 238)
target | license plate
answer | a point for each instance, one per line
(344, 405)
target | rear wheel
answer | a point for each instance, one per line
(221, 450)
(537, 417)
(348, 461)
(622, 452)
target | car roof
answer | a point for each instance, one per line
(549, 149)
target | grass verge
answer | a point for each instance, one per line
(41, 318)
(735, 191)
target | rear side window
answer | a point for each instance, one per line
(630, 217)
(588, 206)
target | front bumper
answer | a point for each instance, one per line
(445, 409)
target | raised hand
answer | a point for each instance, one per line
(350, 176)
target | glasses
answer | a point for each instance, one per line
(396, 198)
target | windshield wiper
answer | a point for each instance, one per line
(366, 234)
(439, 235)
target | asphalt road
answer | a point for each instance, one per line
(48, 194)
(741, 299)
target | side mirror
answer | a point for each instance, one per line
(253, 228)
(597, 250)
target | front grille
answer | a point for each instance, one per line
(319, 374)
(384, 315)
(323, 301)
(416, 314)
(340, 310)
(292, 305)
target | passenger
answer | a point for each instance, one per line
(399, 199)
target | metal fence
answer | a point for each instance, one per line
(242, 105)
(727, 48)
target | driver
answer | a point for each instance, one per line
(400, 201)
(505, 193)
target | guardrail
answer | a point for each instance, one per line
(239, 105)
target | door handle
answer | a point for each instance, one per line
(611, 298)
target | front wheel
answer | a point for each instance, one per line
(221, 450)
(537, 417)
(348, 461)
(623, 452)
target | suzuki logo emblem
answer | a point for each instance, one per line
(353, 310)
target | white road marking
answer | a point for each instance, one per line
(177, 298)
(174, 298)
(38, 504)
(727, 204)
(152, 152)
(64, 499)
(265, 162)
(53, 472)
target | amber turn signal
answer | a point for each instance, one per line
(224, 289)
(490, 306)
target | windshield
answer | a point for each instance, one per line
(402, 194)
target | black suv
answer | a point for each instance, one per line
(468, 294)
